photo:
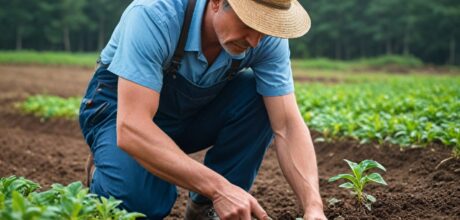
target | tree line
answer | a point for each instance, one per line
(343, 30)
(68, 25)
(427, 29)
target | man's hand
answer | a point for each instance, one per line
(234, 203)
(314, 214)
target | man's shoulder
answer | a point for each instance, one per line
(270, 41)
(164, 11)
(271, 46)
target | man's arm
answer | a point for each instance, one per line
(140, 137)
(295, 152)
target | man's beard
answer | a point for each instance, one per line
(233, 54)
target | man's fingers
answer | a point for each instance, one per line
(246, 215)
(258, 211)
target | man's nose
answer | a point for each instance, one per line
(254, 37)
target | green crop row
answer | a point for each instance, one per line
(20, 200)
(366, 63)
(403, 110)
(87, 60)
(45, 107)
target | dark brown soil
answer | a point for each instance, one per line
(54, 152)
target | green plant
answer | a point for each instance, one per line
(455, 155)
(18, 200)
(48, 106)
(385, 110)
(54, 58)
(456, 152)
(358, 180)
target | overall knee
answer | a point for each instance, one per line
(153, 199)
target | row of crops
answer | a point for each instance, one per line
(19, 199)
(400, 110)
(46, 106)
(403, 110)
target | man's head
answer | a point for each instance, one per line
(233, 35)
(240, 24)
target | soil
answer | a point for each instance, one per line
(54, 151)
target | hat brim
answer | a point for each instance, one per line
(284, 23)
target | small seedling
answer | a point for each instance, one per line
(455, 155)
(358, 180)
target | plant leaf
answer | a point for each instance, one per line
(369, 164)
(368, 206)
(355, 168)
(347, 185)
(371, 198)
(375, 177)
(343, 176)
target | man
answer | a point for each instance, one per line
(223, 81)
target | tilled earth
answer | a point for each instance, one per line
(54, 151)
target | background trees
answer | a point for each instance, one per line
(362, 28)
(340, 29)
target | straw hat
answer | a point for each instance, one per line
(279, 18)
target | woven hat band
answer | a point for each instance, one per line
(285, 5)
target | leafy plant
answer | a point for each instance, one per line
(456, 152)
(357, 180)
(384, 109)
(46, 106)
(19, 184)
(19, 200)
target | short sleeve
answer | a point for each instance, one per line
(142, 48)
(272, 67)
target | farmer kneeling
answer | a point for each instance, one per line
(180, 76)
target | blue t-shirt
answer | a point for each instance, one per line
(146, 37)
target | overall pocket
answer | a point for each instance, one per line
(100, 101)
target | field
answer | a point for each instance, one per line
(53, 151)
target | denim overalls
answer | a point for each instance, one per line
(230, 116)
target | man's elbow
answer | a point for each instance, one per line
(124, 135)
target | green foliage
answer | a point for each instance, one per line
(357, 180)
(369, 28)
(21, 185)
(321, 64)
(380, 62)
(51, 106)
(49, 58)
(20, 201)
(408, 110)
(77, 25)
(456, 152)
(391, 60)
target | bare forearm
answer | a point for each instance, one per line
(298, 162)
(160, 155)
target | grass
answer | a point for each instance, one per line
(88, 60)
(380, 62)
(48, 58)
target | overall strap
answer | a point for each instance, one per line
(233, 68)
(179, 52)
